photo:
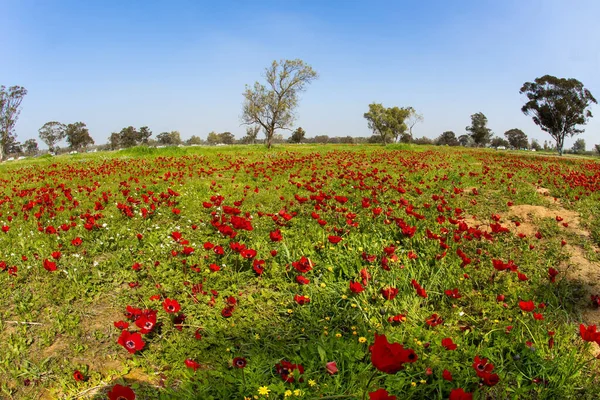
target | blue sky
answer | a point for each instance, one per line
(183, 65)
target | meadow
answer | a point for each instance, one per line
(300, 272)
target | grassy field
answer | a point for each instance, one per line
(237, 272)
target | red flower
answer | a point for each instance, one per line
(538, 316)
(526, 306)
(276, 236)
(334, 239)
(191, 364)
(146, 322)
(49, 265)
(356, 287)
(331, 367)
(303, 265)
(460, 394)
(239, 362)
(381, 394)
(171, 306)
(131, 341)
(552, 274)
(390, 357)
(78, 376)
(453, 293)
(397, 318)
(227, 312)
(285, 370)
(119, 392)
(258, 266)
(77, 241)
(389, 293)
(447, 375)
(434, 320)
(449, 344)
(420, 291)
(121, 325)
(522, 277)
(302, 300)
(302, 280)
(589, 333)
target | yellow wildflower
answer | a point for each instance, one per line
(362, 339)
(264, 390)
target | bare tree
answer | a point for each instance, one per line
(272, 106)
(10, 108)
(413, 118)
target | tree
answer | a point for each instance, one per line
(10, 108)
(387, 123)
(213, 138)
(322, 139)
(78, 136)
(499, 142)
(516, 138)
(273, 107)
(128, 137)
(412, 119)
(558, 106)
(52, 133)
(298, 136)
(144, 135)
(12, 146)
(251, 134)
(172, 138)
(478, 130)
(535, 145)
(447, 138)
(465, 140)
(597, 148)
(114, 141)
(579, 146)
(226, 138)
(194, 140)
(423, 140)
(30, 147)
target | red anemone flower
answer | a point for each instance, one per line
(381, 394)
(449, 344)
(356, 287)
(390, 357)
(119, 392)
(131, 341)
(171, 306)
(460, 394)
(239, 362)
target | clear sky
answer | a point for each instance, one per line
(175, 65)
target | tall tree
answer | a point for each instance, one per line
(52, 133)
(516, 138)
(447, 138)
(30, 147)
(227, 138)
(272, 106)
(558, 106)
(535, 145)
(213, 138)
(114, 141)
(10, 108)
(478, 130)
(579, 146)
(465, 140)
(386, 123)
(128, 137)
(412, 119)
(498, 141)
(194, 140)
(251, 134)
(172, 138)
(597, 148)
(78, 136)
(298, 135)
(143, 135)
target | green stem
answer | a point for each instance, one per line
(369, 383)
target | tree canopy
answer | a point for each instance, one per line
(10, 108)
(272, 105)
(447, 138)
(387, 123)
(558, 106)
(478, 130)
(516, 138)
(78, 136)
(52, 133)
(298, 135)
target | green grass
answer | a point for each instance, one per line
(56, 322)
